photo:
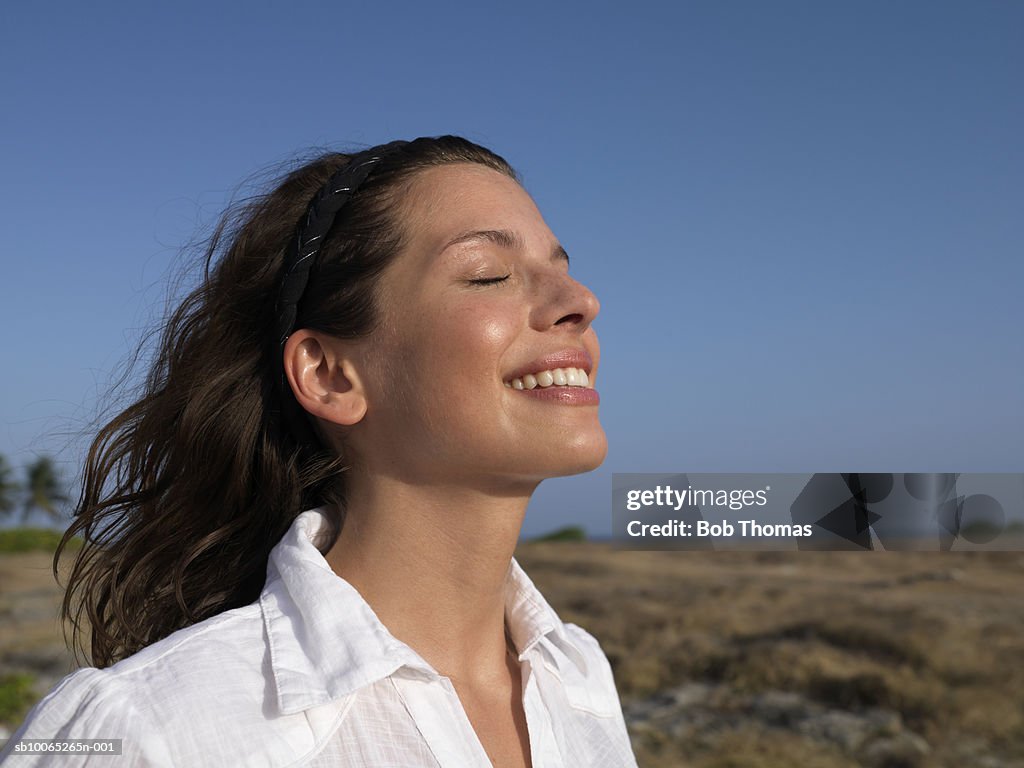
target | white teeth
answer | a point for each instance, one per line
(561, 377)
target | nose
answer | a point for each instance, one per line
(566, 303)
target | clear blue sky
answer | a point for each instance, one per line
(804, 220)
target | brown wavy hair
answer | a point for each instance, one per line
(188, 489)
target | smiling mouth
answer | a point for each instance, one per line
(555, 377)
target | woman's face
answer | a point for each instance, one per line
(480, 298)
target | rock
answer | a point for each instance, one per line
(904, 750)
(782, 709)
(667, 704)
(691, 694)
(701, 715)
(884, 722)
(846, 729)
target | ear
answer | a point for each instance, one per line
(324, 376)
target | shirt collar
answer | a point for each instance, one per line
(326, 642)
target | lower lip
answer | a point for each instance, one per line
(563, 395)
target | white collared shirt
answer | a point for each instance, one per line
(309, 676)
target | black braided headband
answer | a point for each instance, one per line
(302, 254)
(314, 226)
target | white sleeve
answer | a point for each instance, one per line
(88, 704)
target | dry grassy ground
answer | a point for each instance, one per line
(806, 658)
(32, 652)
(728, 660)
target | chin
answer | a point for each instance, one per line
(561, 456)
(583, 455)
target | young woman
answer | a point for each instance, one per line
(299, 540)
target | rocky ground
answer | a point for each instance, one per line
(729, 660)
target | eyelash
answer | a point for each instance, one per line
(491, 280)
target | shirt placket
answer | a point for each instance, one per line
(434, 707)
(543, 745)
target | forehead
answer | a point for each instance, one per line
(446, 201)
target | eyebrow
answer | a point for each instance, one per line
(504, 239)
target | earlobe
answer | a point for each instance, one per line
(324, 377)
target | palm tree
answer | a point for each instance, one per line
(8, 488)
(44, 489)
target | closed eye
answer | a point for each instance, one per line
(490, 280)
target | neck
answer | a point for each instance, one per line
(432, 563)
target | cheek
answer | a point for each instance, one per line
(472, 340)
(451, 357)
